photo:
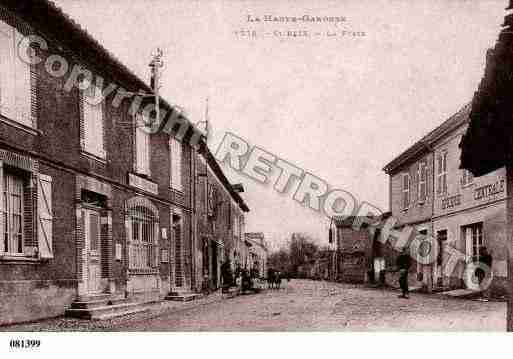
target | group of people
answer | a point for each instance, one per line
(241, 277)
(403, 264)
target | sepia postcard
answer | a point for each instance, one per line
(254, 166)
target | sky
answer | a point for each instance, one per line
(339, 107)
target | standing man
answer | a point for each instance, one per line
(403, 265)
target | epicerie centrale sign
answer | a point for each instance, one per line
(489, 190)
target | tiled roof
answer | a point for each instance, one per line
(422, 145)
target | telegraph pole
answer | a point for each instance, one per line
(156, 64)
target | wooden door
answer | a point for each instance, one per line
(93, 249)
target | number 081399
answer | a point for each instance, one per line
(24, 343)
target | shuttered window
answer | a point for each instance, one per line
(406, 190)
(442, 172)
(236, 228)
(422, 190)
(142, 147)
(175, 148)
(93, 123)
(45, 216)
(12, 215)
(467, 178)
(15, 78)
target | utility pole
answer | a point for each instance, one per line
(156, 64)
(509, 244)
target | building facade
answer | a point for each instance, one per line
(220, 222)
(258, 253)
(353, 251)
(94, 204)
(464, 214)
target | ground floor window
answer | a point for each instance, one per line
(474, 240)
(12, 213)
(143, 224)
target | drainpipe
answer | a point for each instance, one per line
(430, 283)
(193, 227)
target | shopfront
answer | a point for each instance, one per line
(468, 224)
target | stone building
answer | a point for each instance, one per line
(220, 221)
(353, 251)
(487, 143)
(258, 252)
(96, 208)
(463, 213)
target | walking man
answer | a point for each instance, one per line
(403, 265)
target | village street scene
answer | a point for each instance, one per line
(231, 167)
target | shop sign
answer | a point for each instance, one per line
(489, 190)
(142, 183)
(450, 202)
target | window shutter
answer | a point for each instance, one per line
(140, 148)
(156, 250)
(176, 164)
(45, 217)
(7, 71)
(23, 96)
(92, 134)
(2, 209)
(468, 243)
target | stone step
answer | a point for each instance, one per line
(461, 293)
(93, 297)
(96, 303)
(183, 297)
(106, 311)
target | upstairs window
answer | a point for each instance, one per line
(142, 146)
(236, 228)
(175, 148)
(441, 161)
(241, 226)
(422, 173)
(92, 123)
(467, 178)
(15, 88)
(406, 191)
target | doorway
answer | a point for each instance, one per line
(93, 250)
(214, 265)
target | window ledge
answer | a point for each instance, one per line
(146, 176)
(19, 126)
(10, 259)
(93, 157)
(177, 191)
(149, 271)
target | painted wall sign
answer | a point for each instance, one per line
(451, 202)
(489, 190)
(142, 183)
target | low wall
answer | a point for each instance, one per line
(28, 300)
